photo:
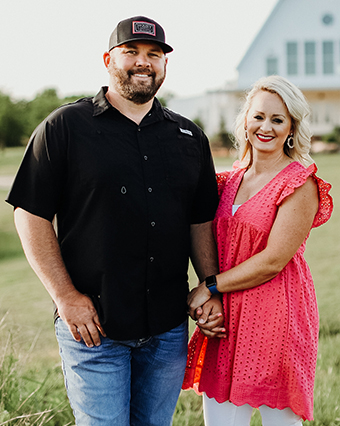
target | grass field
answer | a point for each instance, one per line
(31, 383)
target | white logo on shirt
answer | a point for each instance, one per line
(187, 132)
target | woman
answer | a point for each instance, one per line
(268, 205)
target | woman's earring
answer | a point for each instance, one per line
(246, 134)
(290, 142)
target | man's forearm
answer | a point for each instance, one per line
(205, 262)
(41, 248)
(203, 250)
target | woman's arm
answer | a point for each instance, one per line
(293, 222)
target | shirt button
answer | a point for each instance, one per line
(147, 290)
(123, 190)
(150, 189)
(152, 259)
(153, 223)
(145, 157)
(139, 129)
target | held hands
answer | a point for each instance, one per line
(79, 314)
(210, 318)
(197, 298)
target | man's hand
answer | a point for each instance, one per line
(197, 298)
(79, 314)
(210, 318)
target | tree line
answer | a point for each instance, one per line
(18, 119)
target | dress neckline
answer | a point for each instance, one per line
(235, 207)
(263, 188)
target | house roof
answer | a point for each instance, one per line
(254, 42)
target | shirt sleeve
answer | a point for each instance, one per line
(38, 185)
(206, 195)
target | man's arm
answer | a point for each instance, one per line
(204, 259)
(203, 250)
(41, 248)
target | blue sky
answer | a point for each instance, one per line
(60, 43)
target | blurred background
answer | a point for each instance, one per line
(51, 53)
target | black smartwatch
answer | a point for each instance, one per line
(211, 284)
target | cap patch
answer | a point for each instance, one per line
(140, 27)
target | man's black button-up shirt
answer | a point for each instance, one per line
(124, 196)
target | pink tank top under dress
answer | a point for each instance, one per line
(269, 355)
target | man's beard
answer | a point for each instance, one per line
(139, 92)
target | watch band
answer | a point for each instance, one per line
(211, 284)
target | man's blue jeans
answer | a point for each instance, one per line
(134, 382)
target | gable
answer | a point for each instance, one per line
(301, 41)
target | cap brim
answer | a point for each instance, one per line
(165, 47)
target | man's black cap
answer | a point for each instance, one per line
(138, 28)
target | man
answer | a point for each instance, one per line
(133, 190)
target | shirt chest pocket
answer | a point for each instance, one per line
(182, 161)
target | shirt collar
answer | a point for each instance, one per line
(101, 104)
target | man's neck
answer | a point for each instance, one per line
(131, 110)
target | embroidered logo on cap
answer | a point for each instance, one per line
(140, 27)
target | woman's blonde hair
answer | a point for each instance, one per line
(299, 112)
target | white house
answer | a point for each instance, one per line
(301, 41)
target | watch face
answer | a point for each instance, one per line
(327, 19)
(210, 281)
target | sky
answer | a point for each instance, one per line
(60, 44)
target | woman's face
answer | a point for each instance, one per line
(268, 122)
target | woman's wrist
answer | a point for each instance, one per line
(211, 284)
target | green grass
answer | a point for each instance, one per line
(323, 251)
(27, 396)
(10, 159)
(29, 360)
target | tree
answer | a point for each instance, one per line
(199, 122)
(19, 119)
(334, 136)
(38, 109)
(12, 125)
(223, 137)
(42, 105)
(165, 97)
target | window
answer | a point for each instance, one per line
(328, 57)
(292, 58)
(310, 57)
(272, 66)
(327, 19)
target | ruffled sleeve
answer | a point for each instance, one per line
(325, 200)
(221, 181)
(223, 177)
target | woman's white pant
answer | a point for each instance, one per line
(228, 414)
